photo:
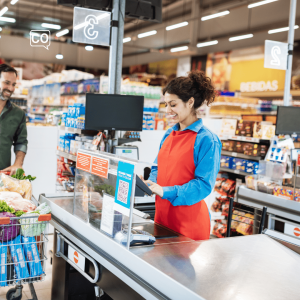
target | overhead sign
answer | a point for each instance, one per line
(292, 230)
(91, 26)
(276, 55)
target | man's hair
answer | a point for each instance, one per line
(7, 68)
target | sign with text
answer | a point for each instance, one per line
(100, 167)
(123, 188)
(83, 162)
(91, 26)
(276, 55)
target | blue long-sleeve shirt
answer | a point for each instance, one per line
(207, 152)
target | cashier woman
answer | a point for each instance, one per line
(188, 160)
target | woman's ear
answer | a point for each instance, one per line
(191, 102)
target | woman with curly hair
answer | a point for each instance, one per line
(188, 160)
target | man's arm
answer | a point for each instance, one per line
(18, 163)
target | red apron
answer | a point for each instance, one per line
(176, 167)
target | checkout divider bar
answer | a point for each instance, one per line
(60, 254)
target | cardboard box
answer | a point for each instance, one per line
(228, 146)
(244, 128)
(226, 162)
(252, 167)
(238, 164)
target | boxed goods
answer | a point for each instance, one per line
(244, 128)
(228, 145)
(228, 127)
(263, 131)
(239, 164)
(287, 193)
(226, 161)
(251, 167)
(239, 147)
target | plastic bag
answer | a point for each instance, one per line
(31, 226)
(22, 187)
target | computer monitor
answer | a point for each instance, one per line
(114, 112)
(288, 120)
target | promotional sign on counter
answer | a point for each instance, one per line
(107, 218)
(123, 188)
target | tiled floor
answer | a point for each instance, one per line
(42, 289)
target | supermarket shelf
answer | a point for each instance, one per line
(234, 171)
(240, 155)
(39, 113)
(278, 206)
(269, 94)
(241, 138)
(54, 105)
(243, 105)
(70, 130)
(66, 155)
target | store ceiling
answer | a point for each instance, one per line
(241, 20)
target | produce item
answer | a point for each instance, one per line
(20, 175)
(32, 256)
(11, 230)
(16, 201)
(18, 257)
(3, 260)
(31, 226)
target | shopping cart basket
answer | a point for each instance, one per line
(23, 246)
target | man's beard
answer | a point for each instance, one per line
(4, 98)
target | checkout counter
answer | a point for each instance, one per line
(89, 252)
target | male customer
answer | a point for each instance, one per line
(13, 130)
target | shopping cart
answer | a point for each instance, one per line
(23, 246)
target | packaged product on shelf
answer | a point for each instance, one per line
(220, 228)
(244, 128)
(239, 164)
(286, 193)
(70, 88)
(251, 167)
(18, 257)
(225, 186)
(239, 147)
(228, 146)
(228, 127)
(226, 162)
(251, 182)
(264, 131)
(91, 85)
(3, 262)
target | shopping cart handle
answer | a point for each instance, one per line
(44, 217)
(4, 220)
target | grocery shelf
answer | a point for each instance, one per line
(241, 138)
(243, 105)
(269, 94)
(241, 155)
(278, 206)
(54, 105)
(222, 169)
(70, 130)
(39, 113)
(66, 155)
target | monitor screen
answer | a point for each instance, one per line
(288, 120)
(114, 112)
(128, 152)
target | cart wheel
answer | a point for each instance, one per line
(10, 293)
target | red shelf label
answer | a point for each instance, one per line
(83, 162)
(100, 167)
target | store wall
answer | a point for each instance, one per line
(183, 66)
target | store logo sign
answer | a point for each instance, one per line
(259, 86)
(40, 38)
(276, 55)
(91, 26)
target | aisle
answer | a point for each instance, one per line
(43, 288)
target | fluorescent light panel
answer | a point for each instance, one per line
(241, 37)
(260, 3)
(281, 29)
(182, 24)
(13, 2)
(205, 44)
(3, 11)
(142, 35)
(220, 14)
(10, 20)
(89, 48)
(127, 39)
(63, 32)
(52, 26)
(177, 49)
(59, 56)
(100, 17)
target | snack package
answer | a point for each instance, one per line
(3, 262)
(32, 256)
(31, 226)
(18, 257)
(220, 228)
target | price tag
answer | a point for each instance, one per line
(234, 154)
(236, 172)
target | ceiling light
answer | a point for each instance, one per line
(3, 11)
(10, 20)
(100, 17)
(177, 25)
(240, 37)
(51, 19)
(142, 35)
(281, 29)
(210, 43)
(59, 56)
(260, 3)
(13, 2)
(52, 26)
(126, 40)
(89, 48)
(63, 32)
(220, 14)
(177, 49)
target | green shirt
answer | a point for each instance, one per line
(13, 132)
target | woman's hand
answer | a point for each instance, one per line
(155, 188)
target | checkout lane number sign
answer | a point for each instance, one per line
(276, 55)
(76, 258)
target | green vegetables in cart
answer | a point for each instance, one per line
(4, 207)
(20, 175)
(108, 189)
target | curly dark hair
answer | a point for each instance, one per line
(6, 68)
(195, 85)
